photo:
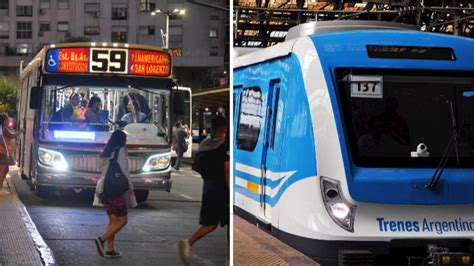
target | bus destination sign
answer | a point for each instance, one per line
(108, 60)
(149, 63)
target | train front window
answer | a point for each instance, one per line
(91, 114)
(405, 119)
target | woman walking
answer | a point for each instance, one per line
(115, 206)
(6, 148)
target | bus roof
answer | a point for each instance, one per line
(40, 57)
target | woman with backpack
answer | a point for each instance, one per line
(114, 191)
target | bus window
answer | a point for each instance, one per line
(91, 114)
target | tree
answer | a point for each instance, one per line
(7, 96)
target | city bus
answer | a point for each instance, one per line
(74, 95)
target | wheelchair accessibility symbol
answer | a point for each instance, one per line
(51, 61)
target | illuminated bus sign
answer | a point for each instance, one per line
(108, 60)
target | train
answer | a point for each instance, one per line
(353, 142)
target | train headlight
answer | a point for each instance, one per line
(157, 162)
(52, 159)
(341, 211)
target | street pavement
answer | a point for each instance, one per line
(68, 223)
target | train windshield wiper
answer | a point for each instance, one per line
(452, 145)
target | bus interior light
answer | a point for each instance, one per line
(52, 159)
(157, 162)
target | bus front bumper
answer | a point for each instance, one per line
(70, 179)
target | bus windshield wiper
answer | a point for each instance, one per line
(452, 144)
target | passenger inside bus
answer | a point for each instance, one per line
(134, 115)
(122, 109)
(92, 112)
(71, 111)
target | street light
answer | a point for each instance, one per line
(168, 13)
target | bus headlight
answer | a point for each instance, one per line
(157, 162)
(341, 211)
(52, 159)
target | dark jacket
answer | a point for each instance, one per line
(179, 141)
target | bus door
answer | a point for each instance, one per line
(269, 164)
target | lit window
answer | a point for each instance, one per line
(213, 33)
(63, 26)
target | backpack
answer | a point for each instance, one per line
(115, 183)
(184, 146)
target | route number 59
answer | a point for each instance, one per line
(105, 60)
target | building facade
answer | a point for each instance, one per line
(199, 38)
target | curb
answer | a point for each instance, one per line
(43, 249)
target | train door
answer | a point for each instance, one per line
(269, 165)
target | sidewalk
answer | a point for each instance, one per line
(20, 241)
(252, 246)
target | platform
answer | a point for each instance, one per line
(252, 246)
(20, 242)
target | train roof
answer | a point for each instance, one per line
(344, 45)
(319, 27)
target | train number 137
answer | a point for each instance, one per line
(366, 86)
(108, 60)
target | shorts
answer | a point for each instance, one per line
(117, 206)
(214, 210)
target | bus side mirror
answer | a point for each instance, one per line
(36, 97)
(178, 102)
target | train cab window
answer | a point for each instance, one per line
(250, 118)
(408, 118)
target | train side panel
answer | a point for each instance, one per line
(290, 155)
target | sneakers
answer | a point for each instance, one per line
(113, 254)
(100, 246)
(184, 250)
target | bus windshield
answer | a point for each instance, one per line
(91, 114)
(406, 119)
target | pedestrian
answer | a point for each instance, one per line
(6, 148)
(179, 144)
(115, 206)
(212, 162)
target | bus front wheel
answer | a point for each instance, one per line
(141, 195)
